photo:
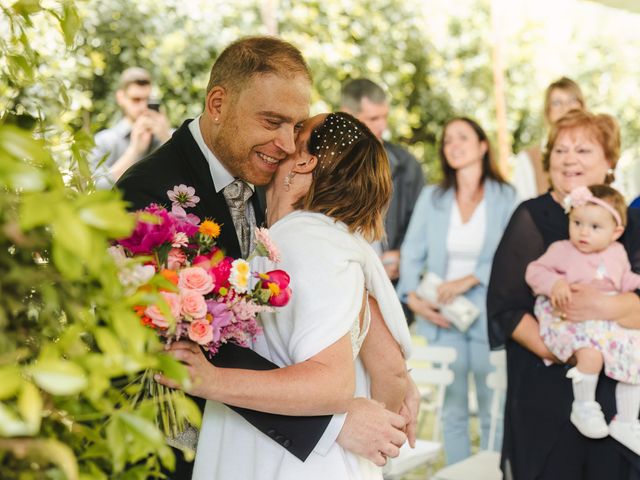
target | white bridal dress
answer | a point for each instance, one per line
(329, 268)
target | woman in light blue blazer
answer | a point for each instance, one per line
(454, 231)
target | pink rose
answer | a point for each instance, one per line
(176, 259)
(156, 315)
(193, 304)
(201, 332)
(196, 279)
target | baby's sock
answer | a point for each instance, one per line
(627, 402)
(584, 386)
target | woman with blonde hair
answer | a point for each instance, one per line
(529, 175)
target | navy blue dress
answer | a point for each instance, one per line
(539, 440)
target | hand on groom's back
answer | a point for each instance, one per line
(372, 431)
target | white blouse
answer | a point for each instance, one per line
(465, 241)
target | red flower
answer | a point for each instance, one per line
(277, 281)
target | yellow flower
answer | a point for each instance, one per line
(210, 228)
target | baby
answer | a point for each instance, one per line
(597, 217)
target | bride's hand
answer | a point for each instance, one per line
(201, 372)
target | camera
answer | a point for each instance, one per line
(153, 104)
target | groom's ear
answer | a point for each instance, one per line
(306, 165)
(216, 99)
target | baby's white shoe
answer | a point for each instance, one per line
(589, 419)
(627, 433)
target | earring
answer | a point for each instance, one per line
(288, 179)
(610, 171)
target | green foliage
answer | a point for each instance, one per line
(69, 340)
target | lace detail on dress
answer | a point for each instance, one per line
(357, 333)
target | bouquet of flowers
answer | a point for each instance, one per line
(203, 295)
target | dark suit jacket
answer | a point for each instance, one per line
(180, 161)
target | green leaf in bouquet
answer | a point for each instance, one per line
(262, 295)
(30, 406)
(11, 381)
(59, 377)
(162, 253)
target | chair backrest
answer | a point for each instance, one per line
(430, 366)
(497, 381)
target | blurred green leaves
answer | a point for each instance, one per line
(70, 345)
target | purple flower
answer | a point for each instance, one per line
(220, 313)
(183, 196)
(148, 236)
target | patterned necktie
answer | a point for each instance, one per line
(237, 193)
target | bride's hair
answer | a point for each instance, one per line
(352, 181)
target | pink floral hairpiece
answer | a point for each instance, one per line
(580, 196)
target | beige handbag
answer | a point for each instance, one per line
(461, 312)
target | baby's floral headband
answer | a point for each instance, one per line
(580, 196)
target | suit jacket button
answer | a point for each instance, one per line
(271, 432)
(279, 438)
(286, 443)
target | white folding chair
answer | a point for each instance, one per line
(484, 465)
(429, 368)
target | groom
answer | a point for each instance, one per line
(257, 98)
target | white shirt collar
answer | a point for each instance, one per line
(220, 175)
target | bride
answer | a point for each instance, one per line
(343, 334)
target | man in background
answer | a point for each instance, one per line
(141, 130)
(367, 101)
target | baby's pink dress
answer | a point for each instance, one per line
(609, 271)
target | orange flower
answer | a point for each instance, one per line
(210, 228)
(170, 275)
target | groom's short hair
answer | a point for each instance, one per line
(249, 56)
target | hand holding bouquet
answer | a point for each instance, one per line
(202, 295)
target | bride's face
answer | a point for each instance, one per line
(299, 182)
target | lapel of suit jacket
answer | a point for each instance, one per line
(212, 204)
(259, 202)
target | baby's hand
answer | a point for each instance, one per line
(560, 294)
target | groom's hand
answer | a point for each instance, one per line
(372, 431)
